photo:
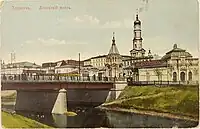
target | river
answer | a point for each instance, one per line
(95, 118)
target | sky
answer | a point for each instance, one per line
(38, 34)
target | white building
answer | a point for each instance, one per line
(97, 61)
(66, 69)
(89, 70)
(63, 66)
(176, 65)
(21, 68)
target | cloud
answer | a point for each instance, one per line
(73, 42)
(53, 42)
(126, 23)
(47, 42)
(77, 19)
(112, 24)
(86, 19)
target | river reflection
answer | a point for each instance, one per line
(94, 118)
(86, 117)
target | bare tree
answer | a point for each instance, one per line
(158, 73)
(196, 71)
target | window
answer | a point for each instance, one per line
(190, 76)
(182, 76)
(174, 76)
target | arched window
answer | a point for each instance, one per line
(174, 76)
(182, 76)
(110, 72)
(190, 76)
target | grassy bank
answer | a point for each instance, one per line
(175, 100)
(17, 121)
(9, 98)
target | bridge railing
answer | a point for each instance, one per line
(56, 78)
(166, 83)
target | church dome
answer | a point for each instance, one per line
(177, 53)
(137, 21)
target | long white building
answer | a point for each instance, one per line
(175, 65)
(21, 68)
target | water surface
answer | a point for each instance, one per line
(88, 117)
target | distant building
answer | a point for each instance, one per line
(109, 65)
(49, 67)
(175, 65)
(97, 61)
(27, 68)
(100, 61)
(67, 69)
(60, 66)
(89, 70)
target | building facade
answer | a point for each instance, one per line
(60, 66)
(176, 65)
(20, 70)
(97, 61)
(114, 61)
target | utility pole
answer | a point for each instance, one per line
(177, 65)
(12, 57)
(79, 64)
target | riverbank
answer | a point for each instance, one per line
(16, 121)
(172, 102)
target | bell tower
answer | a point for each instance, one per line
(137, 50)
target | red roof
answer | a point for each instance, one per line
(151, 64)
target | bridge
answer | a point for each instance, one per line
(40, 93)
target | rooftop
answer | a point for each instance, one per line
(113, 49)
(151, 64)
(176, 52)
(23, 64)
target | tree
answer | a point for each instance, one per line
(196, 71)
(158, 73)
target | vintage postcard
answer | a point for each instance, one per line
(99, 63)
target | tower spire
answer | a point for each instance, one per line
(113, 49)
(137, 17)
(113, 40)
(137, 11)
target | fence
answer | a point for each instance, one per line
(167, 83)
(49, 78)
